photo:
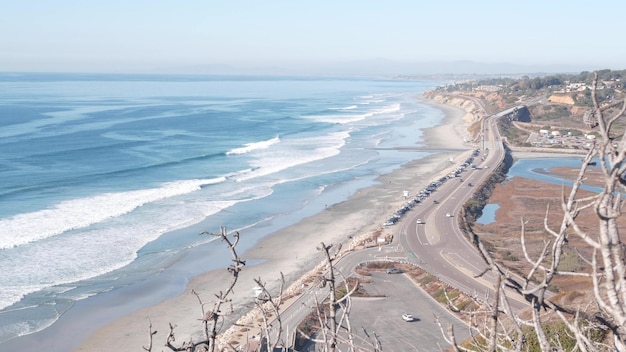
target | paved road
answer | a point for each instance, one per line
(438, 245)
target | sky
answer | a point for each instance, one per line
(148, 36)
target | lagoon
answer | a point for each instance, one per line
(535, 169)
(489, 214)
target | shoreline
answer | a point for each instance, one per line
(363, 212)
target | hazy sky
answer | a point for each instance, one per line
(148, 35)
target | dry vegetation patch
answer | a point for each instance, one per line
(521, 198)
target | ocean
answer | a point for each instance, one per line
(108, 179)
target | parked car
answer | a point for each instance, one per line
(407, 317)
(394, 271)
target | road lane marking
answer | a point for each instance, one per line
(480, 279)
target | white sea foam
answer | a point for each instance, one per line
(337, 119)
(13, 293)
(80, 213)
(296, 152)
(254, 146)
(371, 99)
(95, 251)
(395, 107)
(353, 118)
(389, 109)
(320, 189)
(351, 107)
(20, 328)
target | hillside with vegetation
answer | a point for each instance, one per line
(566, 239)
(556, 103)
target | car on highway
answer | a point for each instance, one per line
(407, 317)
(419, 221)
(449, 215)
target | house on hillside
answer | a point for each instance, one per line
(575, 87)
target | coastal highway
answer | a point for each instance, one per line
(437, 244)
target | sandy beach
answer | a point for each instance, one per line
(291, 251)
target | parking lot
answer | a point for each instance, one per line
(383, 315)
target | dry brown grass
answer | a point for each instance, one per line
(521, 198)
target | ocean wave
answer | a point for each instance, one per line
(82, 212)
(352, 118)
(296, 152)
(254, 146)
(337, 119)
(371, 99)
(20, 328)
(14, 293)
(95, 251)
(351, 107)
(395, 107)
(78, 179)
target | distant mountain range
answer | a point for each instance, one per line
(381, 67)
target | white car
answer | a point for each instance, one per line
(420, 221)
(407, 317)
(449, 215)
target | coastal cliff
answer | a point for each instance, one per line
(473, 108)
